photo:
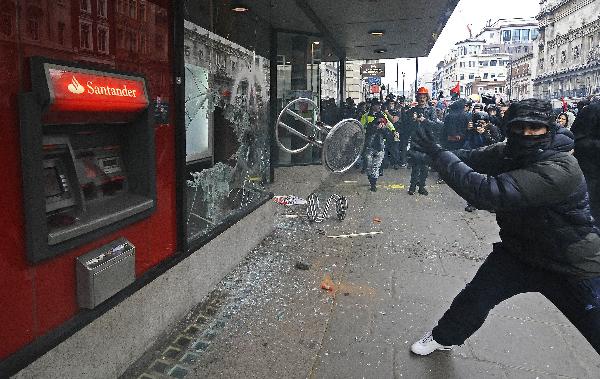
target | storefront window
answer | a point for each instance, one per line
(226, 129)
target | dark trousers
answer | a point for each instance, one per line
(502, 276)
(403, 148)
(418, 174)
(392, 153)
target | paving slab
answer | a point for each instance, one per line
(274, 320)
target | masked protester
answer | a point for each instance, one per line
(455, 126)
(586, 129)
(549, 243)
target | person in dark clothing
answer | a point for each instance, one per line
(420, 116)
(480, 133)
(586, 129)
(377, 131)
(392, 155)
(483, 133)
(455, 126)
(348, 109)
(361, 109)
(549, 243)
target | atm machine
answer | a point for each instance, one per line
(87, 147)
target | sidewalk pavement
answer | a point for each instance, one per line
(270, 318)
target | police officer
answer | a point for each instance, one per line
(549, 243)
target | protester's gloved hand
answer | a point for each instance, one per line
(425, 142)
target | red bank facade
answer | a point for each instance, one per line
(79, 79)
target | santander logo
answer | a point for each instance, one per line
(75, 87)
(106, 90)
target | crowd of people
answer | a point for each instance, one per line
(536, 168)
(458, 124)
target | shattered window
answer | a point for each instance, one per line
(227, 136)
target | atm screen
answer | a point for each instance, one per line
(52, 184)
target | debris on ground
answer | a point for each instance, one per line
(289, 200)
(327, 283)
(376, 220)
(355, 235)
(302, 266)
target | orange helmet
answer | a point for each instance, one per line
(423, 90)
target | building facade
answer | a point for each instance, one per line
(479, 64)
(568, 51)
(521, 71)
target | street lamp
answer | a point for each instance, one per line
(403, 75)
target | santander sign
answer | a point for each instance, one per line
(79, 90)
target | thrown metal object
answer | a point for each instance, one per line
(342, 145)
(314, 212)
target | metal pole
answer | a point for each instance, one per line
(312, 61)
(510, 78)
(403, 75)
(397, 76)
(416, 74)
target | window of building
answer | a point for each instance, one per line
(461, 64)
(471, 76)
(85, 6)
(516, 35)
(526, 49)
(159, 42)
(6, 24)
(143, 46)
(506, 35)
(120, 38)
(131, 41)
(103, 39)
(60, 33)
(132, 8)
(492, 76)
(33, 28)
(485, 75)
(535, 32)
(493, 62)
(484, 63)
(102, 8)
(85, 36)
(525, 34)
(462, 76)
(143, 12)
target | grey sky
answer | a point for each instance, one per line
(474, 12)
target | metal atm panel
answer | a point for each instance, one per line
(88, 155)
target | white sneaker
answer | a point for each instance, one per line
(427, 345)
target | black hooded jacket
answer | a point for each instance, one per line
(455, 125)
(542, 205)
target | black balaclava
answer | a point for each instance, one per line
(535, 113)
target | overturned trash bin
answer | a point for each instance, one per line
(103, 272)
